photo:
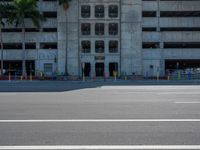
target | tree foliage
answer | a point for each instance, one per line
(22, 9)
(64, 3)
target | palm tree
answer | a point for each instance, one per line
(65, 4)
(22, 9)
(2, 23)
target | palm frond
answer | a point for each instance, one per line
(25, 9)
(65, 3)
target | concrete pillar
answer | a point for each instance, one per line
(131, 37)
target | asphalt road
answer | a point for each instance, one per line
(71, 114)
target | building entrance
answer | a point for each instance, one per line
(87, 69)
(113, 67)
(99, 69)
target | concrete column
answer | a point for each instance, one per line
(92, 69)
(106, 69)
(131, 37)
(161, 45)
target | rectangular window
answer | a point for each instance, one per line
(49, 29)
(11, 30)
(85, 11)
(99, 46)
(99, 28)
(99, 11)
(148, 29)
(113, 28)
(13, 46)
(180, 14)
(149, 14)
(85, 29)
(48, 45)
(48, 68)
(50, 14)
(86, 46)
(113, 46)
(181, 45)
(150, 45)
(31, 30)
(30, 45)
(113, 11)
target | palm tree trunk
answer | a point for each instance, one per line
(23, 52)
(1, 41)
(66, 60)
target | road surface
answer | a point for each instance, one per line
(75, 115)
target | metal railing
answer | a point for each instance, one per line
(184, 74)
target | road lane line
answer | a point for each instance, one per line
(104, 147)
(100, 120)
(187, 102)
(160, 87)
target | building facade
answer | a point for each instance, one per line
(98, 37)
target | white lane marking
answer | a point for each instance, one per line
(101, 120)
(187, 102)
(103, 147)
(7, 94)
(150, 87)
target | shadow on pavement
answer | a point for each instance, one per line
(63, 86)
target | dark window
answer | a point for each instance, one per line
(49, 29)
(99, 29)
(31, 30)
(149, 29)
(48, 45)
(99, 46)
(149, 14)
(86, 46)
(180, 14)
(113, 11)
(180, 29)
(99, 11)
(50, 14)
(113, 28)
(85, 28)
(30, 46)
(85, 11)
(181, 45)
(150, 45)
(12, 46)
(113, 46)
(11, 30)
